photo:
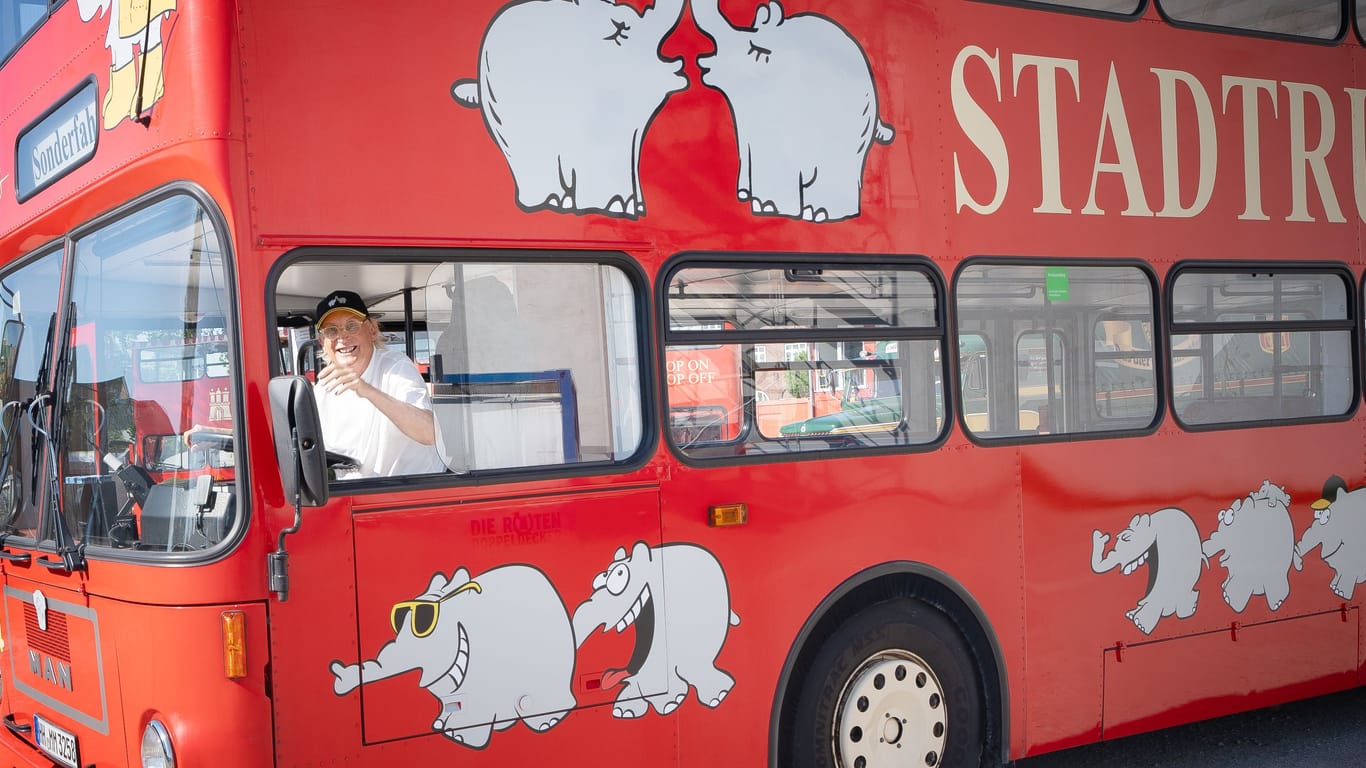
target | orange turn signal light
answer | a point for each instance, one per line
(727, 514)
(234, 644)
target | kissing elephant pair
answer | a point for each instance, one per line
(568, 90)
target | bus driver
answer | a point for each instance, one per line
(374, 406)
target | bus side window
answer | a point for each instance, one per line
(1250, 347)
(1042, 317)
(838, 358)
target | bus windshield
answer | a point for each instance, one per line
(143, 360)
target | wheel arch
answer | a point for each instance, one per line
(881, 582)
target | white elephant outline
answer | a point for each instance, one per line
(498, 648)
(1168, 543)
(804, 101)
(1339, 530)
(568, 89)
(677, 599)
(1257, 539)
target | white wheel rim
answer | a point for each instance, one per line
(890, 713)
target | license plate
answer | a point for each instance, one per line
(58, 743)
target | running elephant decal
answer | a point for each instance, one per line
(1257, 540)
(1169, 544)
(1339, 527)
(493, 650)
(568, 89)
(805, 106)
(689, 616)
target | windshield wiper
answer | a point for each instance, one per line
(72, 554)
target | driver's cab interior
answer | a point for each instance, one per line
(530, 365)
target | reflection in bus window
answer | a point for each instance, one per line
(29, 297)
(974, 371)
(1117, 7)
(1123, 366)
(143, 357)
(741, 379)
(1094, 376)
(146, 359)
(1242, 349)
(17, 19)
(1314, 19)
(1039, 382)
(704, 391)
(539, 364)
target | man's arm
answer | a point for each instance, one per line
(417, 423)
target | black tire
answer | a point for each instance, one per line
(893, 685)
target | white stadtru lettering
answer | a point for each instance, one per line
(1357, 98)
(1252, 139)
(1186, 119)
(1208, 144)
(1116, 123)
(1302, 157)
(1050, 170)
(980, 130)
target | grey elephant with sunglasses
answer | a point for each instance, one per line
(493, 649)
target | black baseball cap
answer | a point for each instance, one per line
(340, 301)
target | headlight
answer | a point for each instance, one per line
(156, 747)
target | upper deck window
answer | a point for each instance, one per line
(1311, 19)
(1109, 7)
(18, 18)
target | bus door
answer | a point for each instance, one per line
(515, 585)
(475, 616)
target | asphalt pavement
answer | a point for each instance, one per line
(1326, 732)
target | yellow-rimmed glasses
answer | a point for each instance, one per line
(332, 332)
(424, 612)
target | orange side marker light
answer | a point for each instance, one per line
(234, 644)
(727, 514)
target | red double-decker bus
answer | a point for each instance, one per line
(815, 384)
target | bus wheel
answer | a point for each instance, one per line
(893, 686)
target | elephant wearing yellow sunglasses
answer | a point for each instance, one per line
(493, 649)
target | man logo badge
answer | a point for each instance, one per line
(40, 607)
(51, 669)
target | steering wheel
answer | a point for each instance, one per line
(340, 461)
(221, 441)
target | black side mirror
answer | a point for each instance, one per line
(298, 440)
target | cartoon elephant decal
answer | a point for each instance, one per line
(805, 106)
(694, 603)
(1258, 541)
(1339, 527)
(493, 650)
(1169, 544)
(567, 89)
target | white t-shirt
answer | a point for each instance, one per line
(353, 426)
